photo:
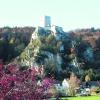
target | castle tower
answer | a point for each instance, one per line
(47, 22)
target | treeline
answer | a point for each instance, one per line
(13, 41)
(86, 48)
(86, 38)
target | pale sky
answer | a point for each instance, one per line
(70, 14)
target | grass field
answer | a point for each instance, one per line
(82, 98)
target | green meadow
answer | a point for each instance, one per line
(83, 98)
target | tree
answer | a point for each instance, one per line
(74, 82)
(50, 67)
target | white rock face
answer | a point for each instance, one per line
(88, 54)
(53, 29)
(56, 29)
(61, 47)
(75, 63)
(34, 34)
(59, 29)
(59, 59)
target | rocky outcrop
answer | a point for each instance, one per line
(50, 48)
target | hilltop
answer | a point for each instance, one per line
(59, 52)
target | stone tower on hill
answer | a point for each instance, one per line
(47, 22)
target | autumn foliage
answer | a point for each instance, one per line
(16, 84)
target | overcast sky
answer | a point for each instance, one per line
(70, 14)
